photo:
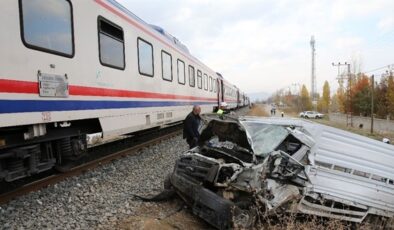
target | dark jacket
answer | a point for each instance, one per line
(190, 126)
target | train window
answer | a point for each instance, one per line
(192, 77)
(111, 44)
(199, 79)
(145, 58)
(47, 25)
(166, 65)
(214, 85)
(210, 83)
(181, 72)
(205, 82)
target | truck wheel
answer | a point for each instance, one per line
(167, 182)
(244, 218)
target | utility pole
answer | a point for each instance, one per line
(349, 115)
(313, 77)
(298, 90)
(372, 98)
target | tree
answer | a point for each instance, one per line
(341, 96)
(334, 107)
(306, 102)
(390, 96)
(362, 102)
(326, 97)
(381, 98)
(321, 105)
(361, 95)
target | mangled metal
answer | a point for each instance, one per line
(247, 168)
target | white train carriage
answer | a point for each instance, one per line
(247, 101)
(75, 67)
(241, 98)
(228, 94)
(231, 95)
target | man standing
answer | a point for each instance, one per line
(190, 126)
(221, 109)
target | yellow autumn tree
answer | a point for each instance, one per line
(326, 97)
(334, 105)
(341, 96)
(306, 102)
(321, 107)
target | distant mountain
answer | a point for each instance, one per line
(258, 96)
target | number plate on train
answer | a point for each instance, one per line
(52, 85)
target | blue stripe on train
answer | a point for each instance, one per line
(21, 106)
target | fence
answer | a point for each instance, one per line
(380, 125)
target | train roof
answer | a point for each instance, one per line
(175, 41)
(171, 38)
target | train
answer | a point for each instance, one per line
(71, 68)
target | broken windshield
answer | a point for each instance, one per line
(265, 137)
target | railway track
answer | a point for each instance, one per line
(106, 153)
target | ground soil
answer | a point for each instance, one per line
(258, 110)
(167, 215)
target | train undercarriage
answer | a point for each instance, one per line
(29, 150)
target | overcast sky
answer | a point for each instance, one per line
(263, 45)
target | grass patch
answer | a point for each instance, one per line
(258, 110)
(364, 132)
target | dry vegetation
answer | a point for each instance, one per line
(308, 222)
(258, 110)
(365, 132)
(290, 112)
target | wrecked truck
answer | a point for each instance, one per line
(247, 168)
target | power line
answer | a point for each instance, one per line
(386, 66)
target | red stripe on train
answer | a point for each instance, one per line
(13, 86)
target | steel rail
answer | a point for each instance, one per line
(53, 179)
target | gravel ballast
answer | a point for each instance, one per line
(99, 197)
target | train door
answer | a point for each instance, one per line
(221, 89)
(238, 99)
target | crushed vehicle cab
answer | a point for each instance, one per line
(247, 168)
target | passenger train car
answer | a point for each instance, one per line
(70, 68)
(228, 93)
